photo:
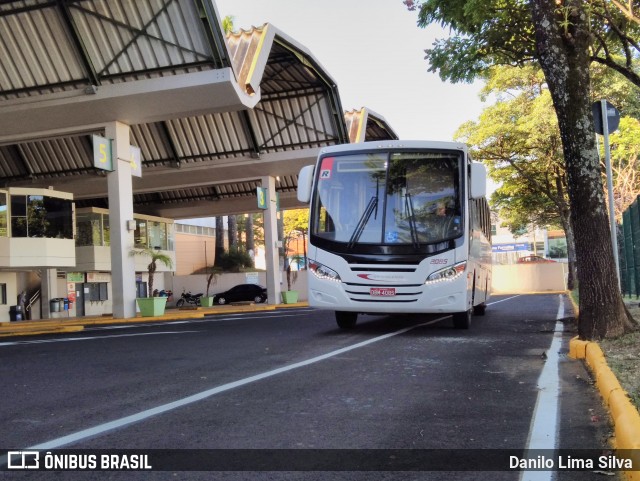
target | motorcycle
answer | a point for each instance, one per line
(189, 298)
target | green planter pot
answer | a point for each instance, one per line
(151, 306)
(289, 297)
(206, 301)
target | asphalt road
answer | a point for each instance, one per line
(291, 380)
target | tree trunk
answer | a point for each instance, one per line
(563, 52)
(249, 233)
(219, 240)
(565, 219)
(251, 247)
(232, 225)
(304, 249)
(151, 269)
(572, 277)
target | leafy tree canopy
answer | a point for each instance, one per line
(501, 32)
(295, 221)
(517, 138)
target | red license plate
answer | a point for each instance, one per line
(382, 291)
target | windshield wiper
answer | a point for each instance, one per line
(412, 220)
(362, 222)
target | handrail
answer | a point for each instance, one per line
(32, 300)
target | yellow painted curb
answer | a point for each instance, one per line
(295, 304)
(633, 475)
(40, 331)
(533, 293)
(623, 413)
(620, 404)
(52, 326)
(594, 356)
(607, 382)
(577, 348)
(627, 429)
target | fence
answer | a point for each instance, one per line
(629, 249)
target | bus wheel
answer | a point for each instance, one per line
(480, 309)
(346, 320)
(462, 320)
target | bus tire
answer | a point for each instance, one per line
(346, 320)
(480, 309)
(462, 320)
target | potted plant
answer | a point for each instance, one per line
(152, 306)
(207, 300)
(289, 296)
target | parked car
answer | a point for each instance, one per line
(242, 292)
(529, 259)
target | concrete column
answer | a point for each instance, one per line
(48, 291)
(120, 188)
(271, 241)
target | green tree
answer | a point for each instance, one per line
(296, 220)
(517, 138)
(502, 32)
(154, 257)
(227, 24)
(564, 37)
(296, 223)
(625, 165)
(563, 41)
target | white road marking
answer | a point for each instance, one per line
(232, 317)
(91, 338)
(502, 300)
(141, 416)
(543, 433)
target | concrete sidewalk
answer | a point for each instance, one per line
(75, 324)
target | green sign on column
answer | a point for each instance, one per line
(102, 153)
(262, 198)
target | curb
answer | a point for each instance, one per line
(624, 414)
(55, 326)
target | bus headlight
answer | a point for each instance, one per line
(323, 272)
(447, 274)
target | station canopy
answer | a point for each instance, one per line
(211, 113)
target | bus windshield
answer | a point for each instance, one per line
(388, 198)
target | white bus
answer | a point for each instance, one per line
(398, 227)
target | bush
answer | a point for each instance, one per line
(234, 260)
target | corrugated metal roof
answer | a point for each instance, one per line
(365, 125)
(287, 183)
(71, 44)
(68, 44)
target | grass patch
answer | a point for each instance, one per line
(623, 357)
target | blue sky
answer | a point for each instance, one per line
(375, 52)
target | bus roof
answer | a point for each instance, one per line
(393, 144)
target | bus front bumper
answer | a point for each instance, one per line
(444, 297)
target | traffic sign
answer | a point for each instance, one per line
(613, 117)
(102, 156)
(102, 153)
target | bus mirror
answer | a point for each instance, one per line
(478, 180)
(305, 179)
